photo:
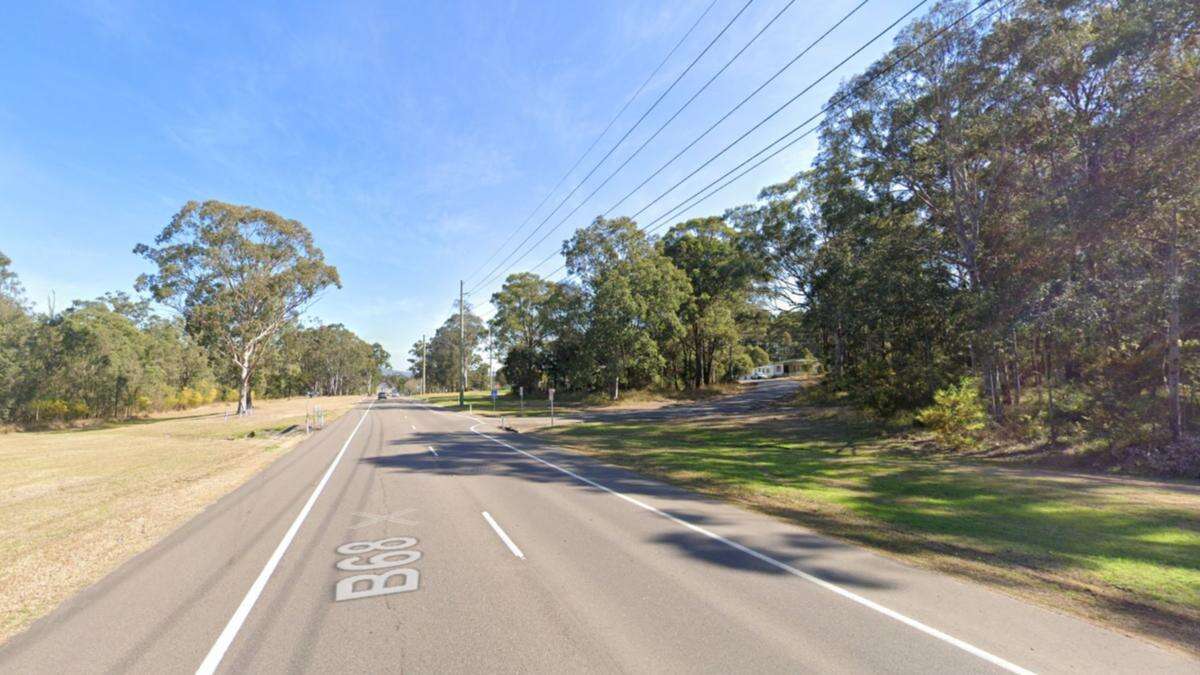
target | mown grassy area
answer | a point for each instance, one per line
(75, 504)
(480, 401)
(538, 405)
(1123, 552)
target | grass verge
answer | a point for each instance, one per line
(1124, 553)
(480, 401)
(75, 504)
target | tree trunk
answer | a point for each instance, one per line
(244, 401)
(616, 387)
(1173, 334)
(1016, 370)
(1049, 378)
(839, 350)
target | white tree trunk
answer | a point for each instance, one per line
(244, 391)
(244, 401)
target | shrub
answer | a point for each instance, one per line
(957, 416)
(48, 410)
(78, 410)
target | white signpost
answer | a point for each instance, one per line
(551, 390)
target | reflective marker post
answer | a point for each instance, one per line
(551, 407)
(522, 390)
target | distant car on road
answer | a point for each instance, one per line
(382, 396)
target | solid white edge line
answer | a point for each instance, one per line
(849, 595)
(503, 535)
(217, 652)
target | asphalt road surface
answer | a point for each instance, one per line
(756, 396)
(401, 539)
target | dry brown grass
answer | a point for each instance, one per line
(75, 504)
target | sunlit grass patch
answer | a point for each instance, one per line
(1114, 550)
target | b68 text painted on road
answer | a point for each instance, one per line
(384, 554)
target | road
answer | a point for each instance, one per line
(505, 555)
(755, 397)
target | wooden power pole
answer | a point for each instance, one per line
(462, 349)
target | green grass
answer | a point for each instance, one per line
(1111, 550)
(480, 402)
(538, 405)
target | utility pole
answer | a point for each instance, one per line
(462, 348)
(424, 355)
(491, 357)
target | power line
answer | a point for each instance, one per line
(619, 141)
(761, 122)
(664, 125)
(596, 141)
(742, 102)
(658, 222)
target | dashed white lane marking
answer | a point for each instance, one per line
(503, 535)
(849, 595)
(414, 427)
(225, 639)
(433, 451)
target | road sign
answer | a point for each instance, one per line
(551, 394)
(495, 393)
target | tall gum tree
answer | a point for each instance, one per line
(238, 275)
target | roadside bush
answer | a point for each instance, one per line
(957, 416)
(48, 410)
(77, 410)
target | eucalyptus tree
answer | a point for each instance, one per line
(16, 326)
(238, 275)
(520, 326)
(634, 295)
(721, 269)
(442, 355)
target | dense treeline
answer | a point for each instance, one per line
(443, 358)
(638, 312)
(114, 357)
(1012, 201)
(1018, 203)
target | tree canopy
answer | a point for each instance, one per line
(237, 275)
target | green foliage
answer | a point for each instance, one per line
(721, 271)
(758, 356)
(1019, 200)
(633, 294)
(238, 275)
(957, 416)
(112, 357)
(444, 357)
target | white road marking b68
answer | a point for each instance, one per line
(388, 553)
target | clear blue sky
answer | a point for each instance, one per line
(410, 137)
